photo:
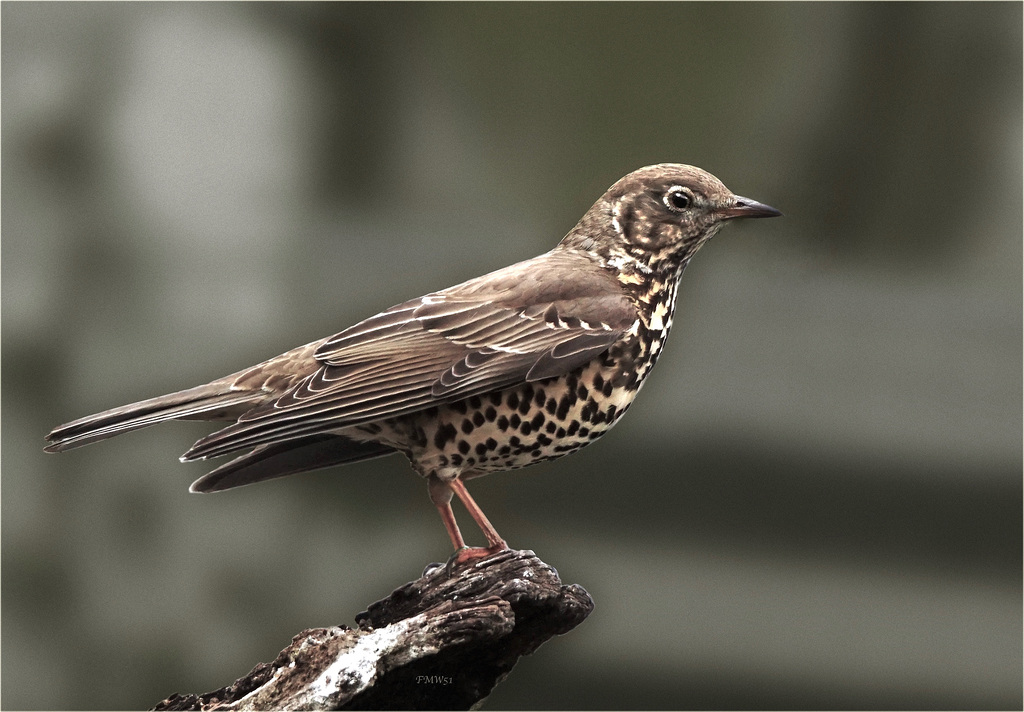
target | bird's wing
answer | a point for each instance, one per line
(528, 322)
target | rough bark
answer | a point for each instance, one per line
(439, 642)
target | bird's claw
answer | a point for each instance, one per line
(470, 553)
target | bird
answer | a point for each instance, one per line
(522, 365)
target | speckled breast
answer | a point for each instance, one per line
(526, 424)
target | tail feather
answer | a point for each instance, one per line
(288, 458)
(208, 401)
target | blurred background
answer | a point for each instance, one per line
(816, 502)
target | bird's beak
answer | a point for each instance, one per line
(746, 208)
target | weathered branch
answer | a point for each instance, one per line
(434, 643)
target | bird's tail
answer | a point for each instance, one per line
(289, 458)
(212, 401)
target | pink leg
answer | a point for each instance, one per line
(441, 495)
(493, 538)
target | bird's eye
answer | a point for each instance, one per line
(677, 199)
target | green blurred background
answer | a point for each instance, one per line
(816, 502)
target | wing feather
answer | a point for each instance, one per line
(535, 320)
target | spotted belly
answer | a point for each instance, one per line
(516, 427)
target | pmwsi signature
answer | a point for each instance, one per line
(433, 680)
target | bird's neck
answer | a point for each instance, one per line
(650, 278)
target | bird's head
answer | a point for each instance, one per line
(659, 216)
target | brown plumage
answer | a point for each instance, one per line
(521, 365)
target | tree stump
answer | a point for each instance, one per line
(439, 642)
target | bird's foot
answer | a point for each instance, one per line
(471, 553)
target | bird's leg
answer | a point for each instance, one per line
(441, 496)
(493, 538)
(441, 491)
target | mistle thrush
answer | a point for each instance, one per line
(524, 364)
